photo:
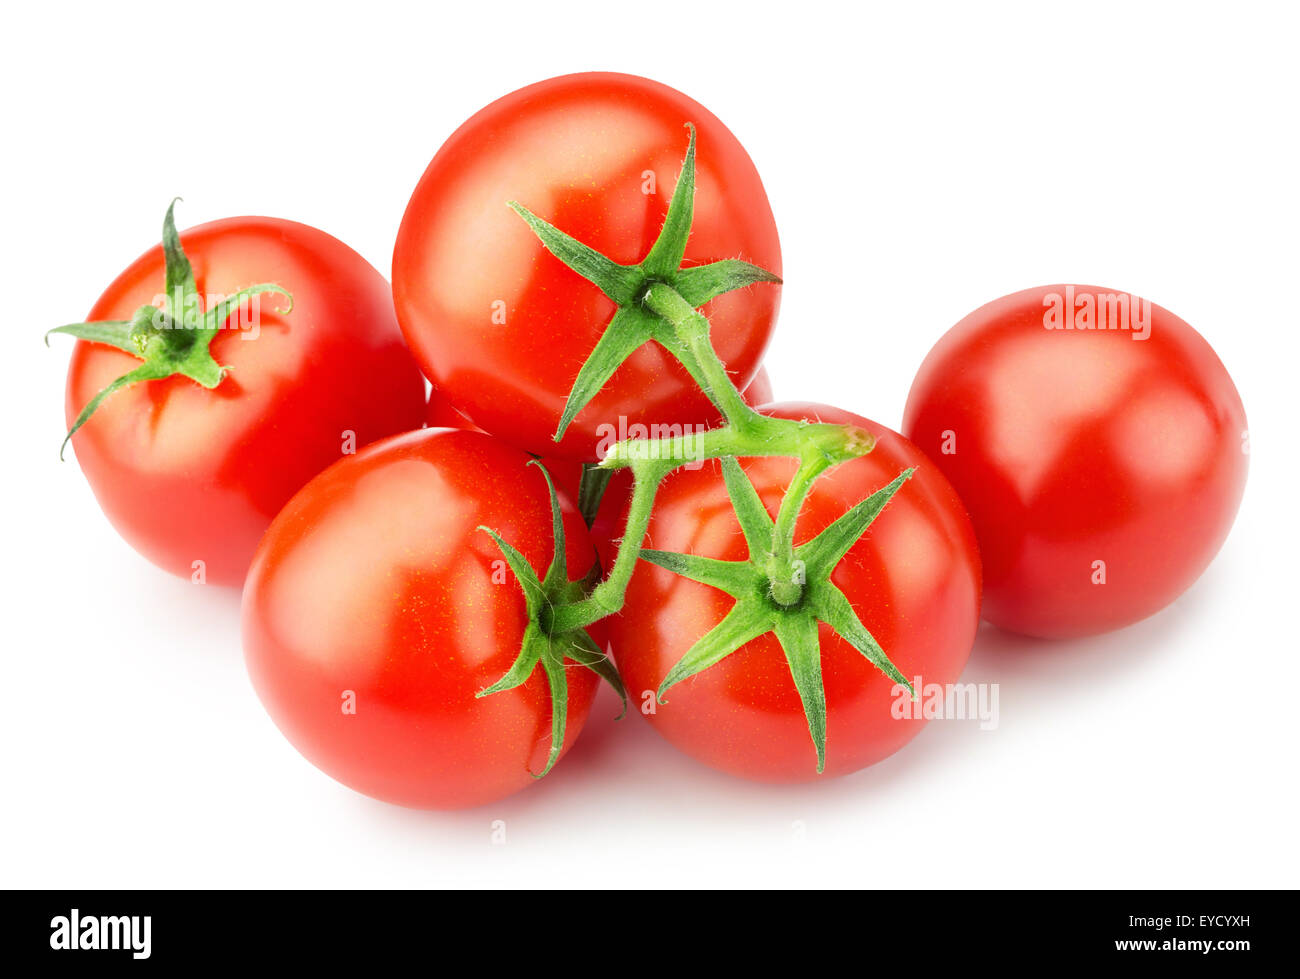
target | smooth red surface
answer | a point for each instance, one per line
(1078, 446)
(187, 474)
(375, 579)
(913, 578)
(575, 150)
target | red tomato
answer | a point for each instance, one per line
(501, 326)
(913, 579)
(1102, 468)
(191, 475)
(375, 583)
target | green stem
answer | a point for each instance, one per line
(787, 588)
(792, 503)
(745, 434)
(692, 328)
(761, 436)
(607, 597)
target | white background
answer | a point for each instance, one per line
(920, 161)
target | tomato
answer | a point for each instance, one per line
(192, 477)
(1102, 468)
(913, 579)
(375, 589)
(502, 327)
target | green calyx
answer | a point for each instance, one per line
(784, 592)
(543, 644)
(636, 289)
(171, 338)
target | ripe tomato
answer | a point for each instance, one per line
(375, 589)
(1102, 468)
(501, 326)
(190, 475)
(913, 580)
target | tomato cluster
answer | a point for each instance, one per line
(598, 485)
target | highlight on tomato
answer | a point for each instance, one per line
(509, 333)
(394, 621)
(220, 372)
(695, 642)
(1099, 445)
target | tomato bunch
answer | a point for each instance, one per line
(597, 485)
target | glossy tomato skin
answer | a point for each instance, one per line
(1073, 447)
(501, 326)
(375, 580)
(191, 475)
(914, 580)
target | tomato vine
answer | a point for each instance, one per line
(781, 588)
